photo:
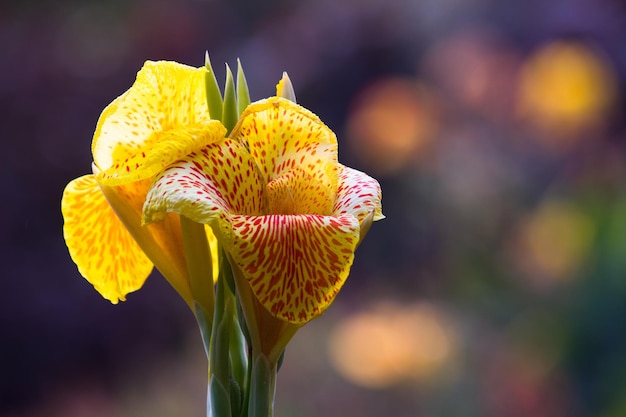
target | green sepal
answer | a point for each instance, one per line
(219, 398)
(229, 111)
(213, 94)
(243, 94)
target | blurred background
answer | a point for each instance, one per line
(495, 287)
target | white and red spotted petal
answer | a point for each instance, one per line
(358, 194)
(217, 180)
(295, 264)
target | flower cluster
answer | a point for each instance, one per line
(243, 207)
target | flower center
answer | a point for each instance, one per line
(298, 192)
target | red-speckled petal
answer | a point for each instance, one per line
(165, 96)
(105, 253)
(219, 179)
(358, 194)
(282, 135)
(295, 264)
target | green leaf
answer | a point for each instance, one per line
(213, 94)
(243, 94)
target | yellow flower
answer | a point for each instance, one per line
(287, 213)
(160, 119)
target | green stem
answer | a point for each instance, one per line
(219, 363)
(262, 388)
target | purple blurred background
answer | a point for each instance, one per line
(495, 287)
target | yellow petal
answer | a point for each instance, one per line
(104, 251)
(165, 96)
(282, 135)
(295, 264)
(160, 150)
(219, 179)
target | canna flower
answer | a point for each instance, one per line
(287, 213)
(160, 119)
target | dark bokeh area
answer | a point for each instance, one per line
(495, 287)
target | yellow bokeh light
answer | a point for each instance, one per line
(391, 343)
(566, 88)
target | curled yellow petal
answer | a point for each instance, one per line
(287, 213)
(105, 253)
(161, 118)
